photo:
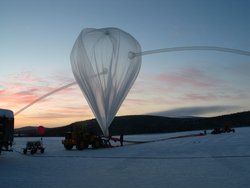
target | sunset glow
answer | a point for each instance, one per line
(37, 37)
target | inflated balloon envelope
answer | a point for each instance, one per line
(104, 70)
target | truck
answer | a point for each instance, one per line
(6, 129)
(82, 139)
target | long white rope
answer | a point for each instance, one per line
(191, 48)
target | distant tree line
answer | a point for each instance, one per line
(146, 124)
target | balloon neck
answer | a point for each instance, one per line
(106, 133)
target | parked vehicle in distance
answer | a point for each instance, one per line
(33, 147)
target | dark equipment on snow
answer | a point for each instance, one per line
(82, 139)
(33, 147)
(226, 129)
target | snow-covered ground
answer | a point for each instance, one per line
(204, 161)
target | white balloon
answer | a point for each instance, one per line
(104, 70)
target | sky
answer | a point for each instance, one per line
(36, 38)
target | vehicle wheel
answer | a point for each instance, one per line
(42, 150)
(81, 145)
(25, 151)
(68, 146)
(96, 144)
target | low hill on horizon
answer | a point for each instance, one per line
(146, 124)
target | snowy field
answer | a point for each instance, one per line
(202, 161)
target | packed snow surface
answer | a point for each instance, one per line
(221, 160)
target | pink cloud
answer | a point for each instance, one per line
(63, 113)
(132, 102)
(188, 77)
(26, 76)
(200, 97)
(21, 89)
(2, 92)
(147, 85)
(209, 96)
(27, 92)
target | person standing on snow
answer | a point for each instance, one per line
(121, 139)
